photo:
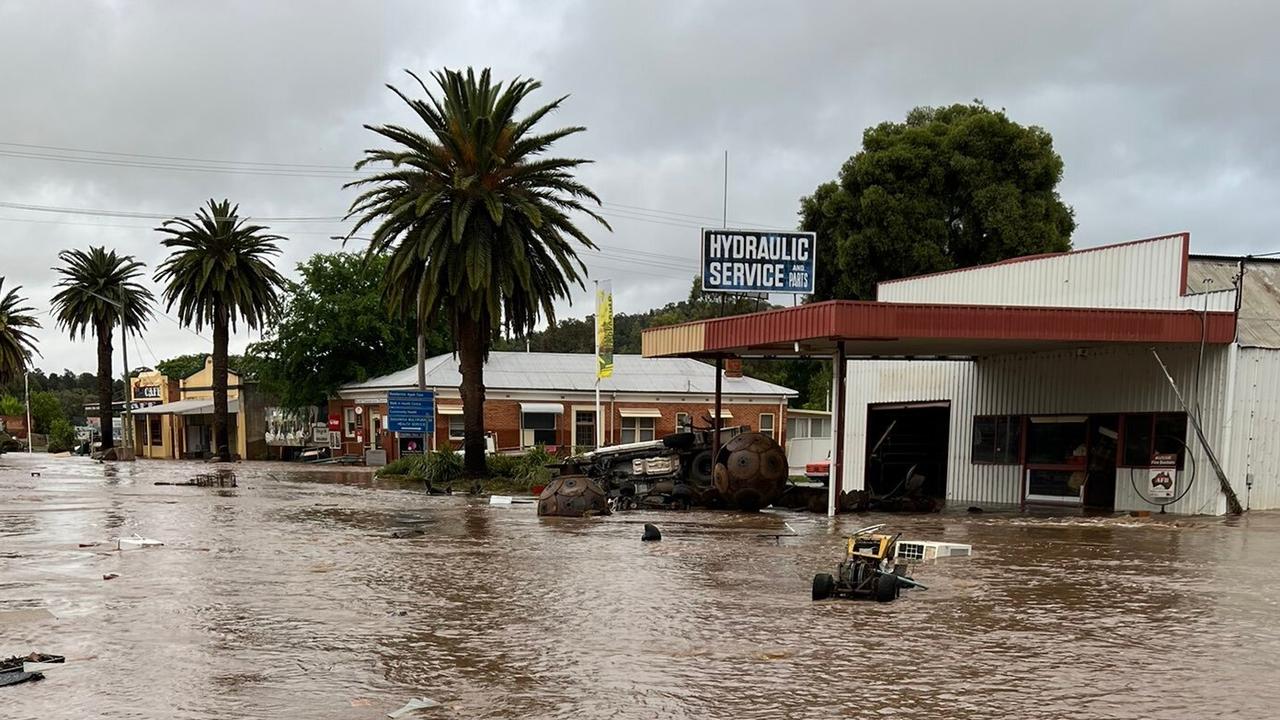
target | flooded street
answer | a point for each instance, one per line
(289, 597)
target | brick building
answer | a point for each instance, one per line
(549, 399)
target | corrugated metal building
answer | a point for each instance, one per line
(1038, 380)
(1094, 392)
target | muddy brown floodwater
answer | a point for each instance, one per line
(288, 597)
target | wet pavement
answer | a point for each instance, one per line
(288, 597)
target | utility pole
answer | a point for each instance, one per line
(422, 379)
(127, 426)
(27, 382)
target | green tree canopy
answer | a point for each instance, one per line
(98, 292)
(17, 320)
(45, 408)
(475, 219)
(10, 405)
(950, 187)
(220, 271)
(180, 367)
(334, 328)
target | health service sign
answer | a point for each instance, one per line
(758, 261)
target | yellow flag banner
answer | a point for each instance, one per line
(604, 329)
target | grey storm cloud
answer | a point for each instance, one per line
(1162, 112)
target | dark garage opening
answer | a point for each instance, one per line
(907, 449)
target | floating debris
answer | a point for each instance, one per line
(651, 533)
(413, 704)
(221, 478)
(136, 542)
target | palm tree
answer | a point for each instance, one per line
(222, 268)
(16, 344)
(475, 221)
(99, 294)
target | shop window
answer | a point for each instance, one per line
(766, 424)
(539, 429)
(1148, 434)
(457, 427)
(684, 422)
(997, 439)
(157, 433)
(638, 429)
(584, 428)
(349, 421)
(1057, 440)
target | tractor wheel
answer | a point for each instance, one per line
(700, 469)
(887, 588)
(823, 586)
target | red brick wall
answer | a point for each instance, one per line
(502, 417)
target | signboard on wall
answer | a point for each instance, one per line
(411, 411)
(335, 422)
(1162, 476)
(289, 428)
(758, 261)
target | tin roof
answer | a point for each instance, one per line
(1259, 320)
(576, 372)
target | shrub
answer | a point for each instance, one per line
(443, 466)
(62, 437)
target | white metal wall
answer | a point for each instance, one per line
(1144, 274)
(1256, 427)
(1097, 381)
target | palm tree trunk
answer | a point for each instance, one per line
(471, 356)
(105, 382)
(221, 447)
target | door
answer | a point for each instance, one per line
(1100, 480)
(907, 449)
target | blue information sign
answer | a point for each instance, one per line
(758, 261)
(411, 411)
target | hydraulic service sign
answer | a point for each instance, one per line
(758, 261)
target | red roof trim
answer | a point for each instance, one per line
(1186, 249)
(848, 320)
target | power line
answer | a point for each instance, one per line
(34, 151)
(146, 215)
(178, 158)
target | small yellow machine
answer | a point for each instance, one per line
(869, 569)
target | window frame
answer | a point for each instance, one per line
(636, 429)
(462, 427)
(1015, 454)
(684, 422)
(349, 424)
(532, 440)
(773, 425)
(578, 439)
(1151, 418)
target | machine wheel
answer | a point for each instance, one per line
(823, 586)
(700, 468)
(887, 588)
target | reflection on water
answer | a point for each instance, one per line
(301, 594)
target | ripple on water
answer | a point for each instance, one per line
(289, 597)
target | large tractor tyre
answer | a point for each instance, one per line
(701, 468)
(823, 586)
(887, 588)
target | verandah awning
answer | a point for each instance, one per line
(199, 406)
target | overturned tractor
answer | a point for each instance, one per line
(679, 472)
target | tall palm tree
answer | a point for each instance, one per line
(222, 269)
(476, 222)
(16, 344)
(99, 294)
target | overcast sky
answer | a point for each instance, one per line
(1163, 112)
